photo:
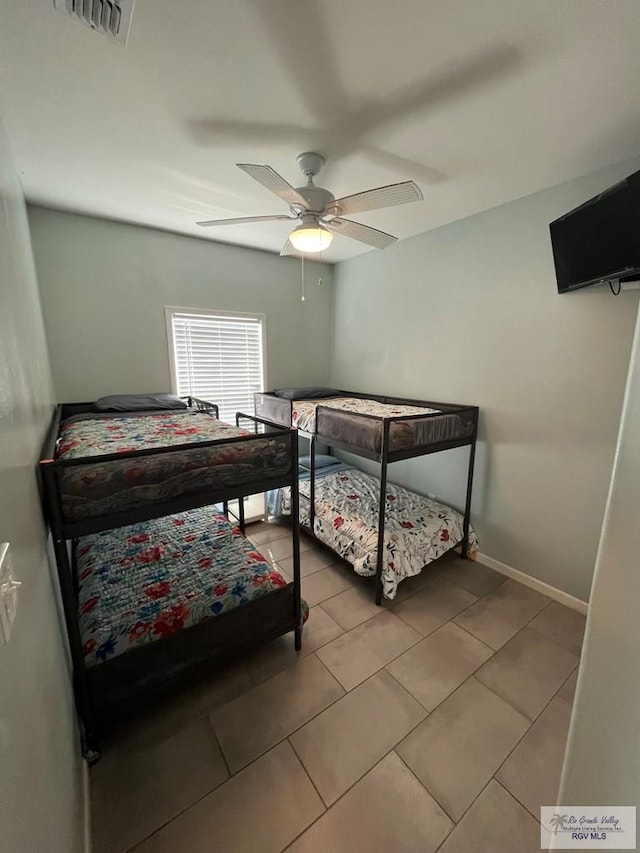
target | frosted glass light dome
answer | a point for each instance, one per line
(310, 238)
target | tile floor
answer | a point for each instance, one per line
(435, 723)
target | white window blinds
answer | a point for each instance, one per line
(218, 358)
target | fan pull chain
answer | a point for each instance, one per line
(302, 296)
(320, 277)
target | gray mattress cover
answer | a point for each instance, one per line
(403, 435)
(366, 432)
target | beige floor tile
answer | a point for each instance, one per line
(279, 654)
(136, 791)
(342, 743)
(439, 664)
(457, 749)
(311, 561)
(257, 720)
(495, 823)
(473, 576)
(568, 689)
(326, 583)
(263, 532)
(285, 574)
(187, 704)
(562, 625)
(353, 606)
(528, 671)
(433, 605)
(409, 586)
(497, 617)
(359, 653)
(532, 771)
(260, 810)
(386, 812)
(282, 549)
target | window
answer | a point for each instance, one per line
(217, 357)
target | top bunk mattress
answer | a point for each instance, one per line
(93, 487)
(341, 419)
(100, 434)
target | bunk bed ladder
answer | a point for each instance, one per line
(384, 460)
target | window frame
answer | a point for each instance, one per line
(169, 312)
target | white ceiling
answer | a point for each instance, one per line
(479, 101)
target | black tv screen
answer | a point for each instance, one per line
(600, 240)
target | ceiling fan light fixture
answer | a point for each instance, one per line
(310, 238)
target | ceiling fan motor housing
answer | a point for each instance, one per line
(317, 198)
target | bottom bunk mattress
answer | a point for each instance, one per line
(418, 530)
(146, 581)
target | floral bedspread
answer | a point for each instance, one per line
(104, 486)
(147, 581)
(304, 411)
(95, 437)
(418, 530)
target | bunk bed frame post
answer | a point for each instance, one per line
(241, 521)
(382, 508)
(467, 506)
(295, 530)
(69, 597)
(312, 483)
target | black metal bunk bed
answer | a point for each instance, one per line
(444, 427)
(119, 686)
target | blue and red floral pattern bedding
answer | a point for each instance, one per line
(140, 583)
(112, 434)
(97, 488)
(417, 531)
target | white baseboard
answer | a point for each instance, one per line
(86, 795)
(533, 583)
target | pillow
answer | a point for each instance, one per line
(305, 393)
(139, 402)
(321, 461)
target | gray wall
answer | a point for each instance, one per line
(104, 286)
(602, 763)
(469, 313)
(40, 779)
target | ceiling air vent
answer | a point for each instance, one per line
(112, 18)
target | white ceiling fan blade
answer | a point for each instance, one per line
(358, 231)
(301, 39)
(245, 220)
(403, 165)
(289, 249)
(274, 182)
(388, 196)
(221, 131)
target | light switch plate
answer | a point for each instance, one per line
(8, 593)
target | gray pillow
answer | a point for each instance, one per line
(139, 402)
(305, 393)
(322, 461)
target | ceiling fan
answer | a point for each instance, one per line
(321, 214)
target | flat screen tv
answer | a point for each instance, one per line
(600, 240)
